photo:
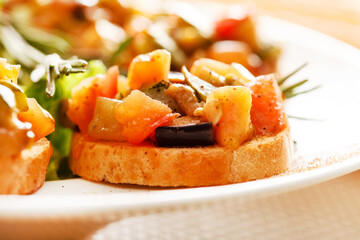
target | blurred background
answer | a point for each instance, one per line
(338, 18)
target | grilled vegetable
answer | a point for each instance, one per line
(104, 125)
(234, 126)
(14, 134)
(20, 97)
(185, 136)
(202, 88)
(42, 122)
(159, 92)
(220, 68)
(83, 97)
(139, 115)
(8, 71)
(210, 76)
(184, 97)
(149, 68)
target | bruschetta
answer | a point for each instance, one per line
(215, 124)
(24, 150)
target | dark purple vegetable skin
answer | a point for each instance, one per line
(185, 136)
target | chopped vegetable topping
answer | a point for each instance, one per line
(8, 71)
(42, 122)
(20, 97)
(267, 111)
(202, 88)
(104, 125)
(234, 126)
(140, 115)
(149, 68)
(184, 97)
(83, 97)
(185, 136)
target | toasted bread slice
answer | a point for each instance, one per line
(121, 162)
(25, 173)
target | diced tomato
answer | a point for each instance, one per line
(108, 83)
(242, 29)
(141, 115)
(83, 97)
(82, 103)
(226, 28)
(149, 68)
(267, 111)
(42, 122)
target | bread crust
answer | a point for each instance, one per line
(145, 164)
(25, 173)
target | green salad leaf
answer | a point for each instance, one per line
(61, 138)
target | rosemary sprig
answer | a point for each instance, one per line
(304, 118)
(51, 66)
(293, 86)
(288, 91)
(282, 80)
(294, 94)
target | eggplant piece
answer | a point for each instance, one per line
(185, 136)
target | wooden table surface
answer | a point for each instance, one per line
(338, 18)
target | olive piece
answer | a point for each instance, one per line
(185, 136)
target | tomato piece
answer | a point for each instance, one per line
(234, 126)
(42, 122)
(161, 122)
(83, 97)
(108, 83)
(82, 103)
(241, 29)
(267, 111)
(140, 115)
(149, 68)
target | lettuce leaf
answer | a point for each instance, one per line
(61, 138)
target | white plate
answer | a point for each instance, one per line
(333, 64)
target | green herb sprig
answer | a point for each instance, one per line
(51, 66)
(290, 91)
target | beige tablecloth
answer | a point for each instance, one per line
(326, 211)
